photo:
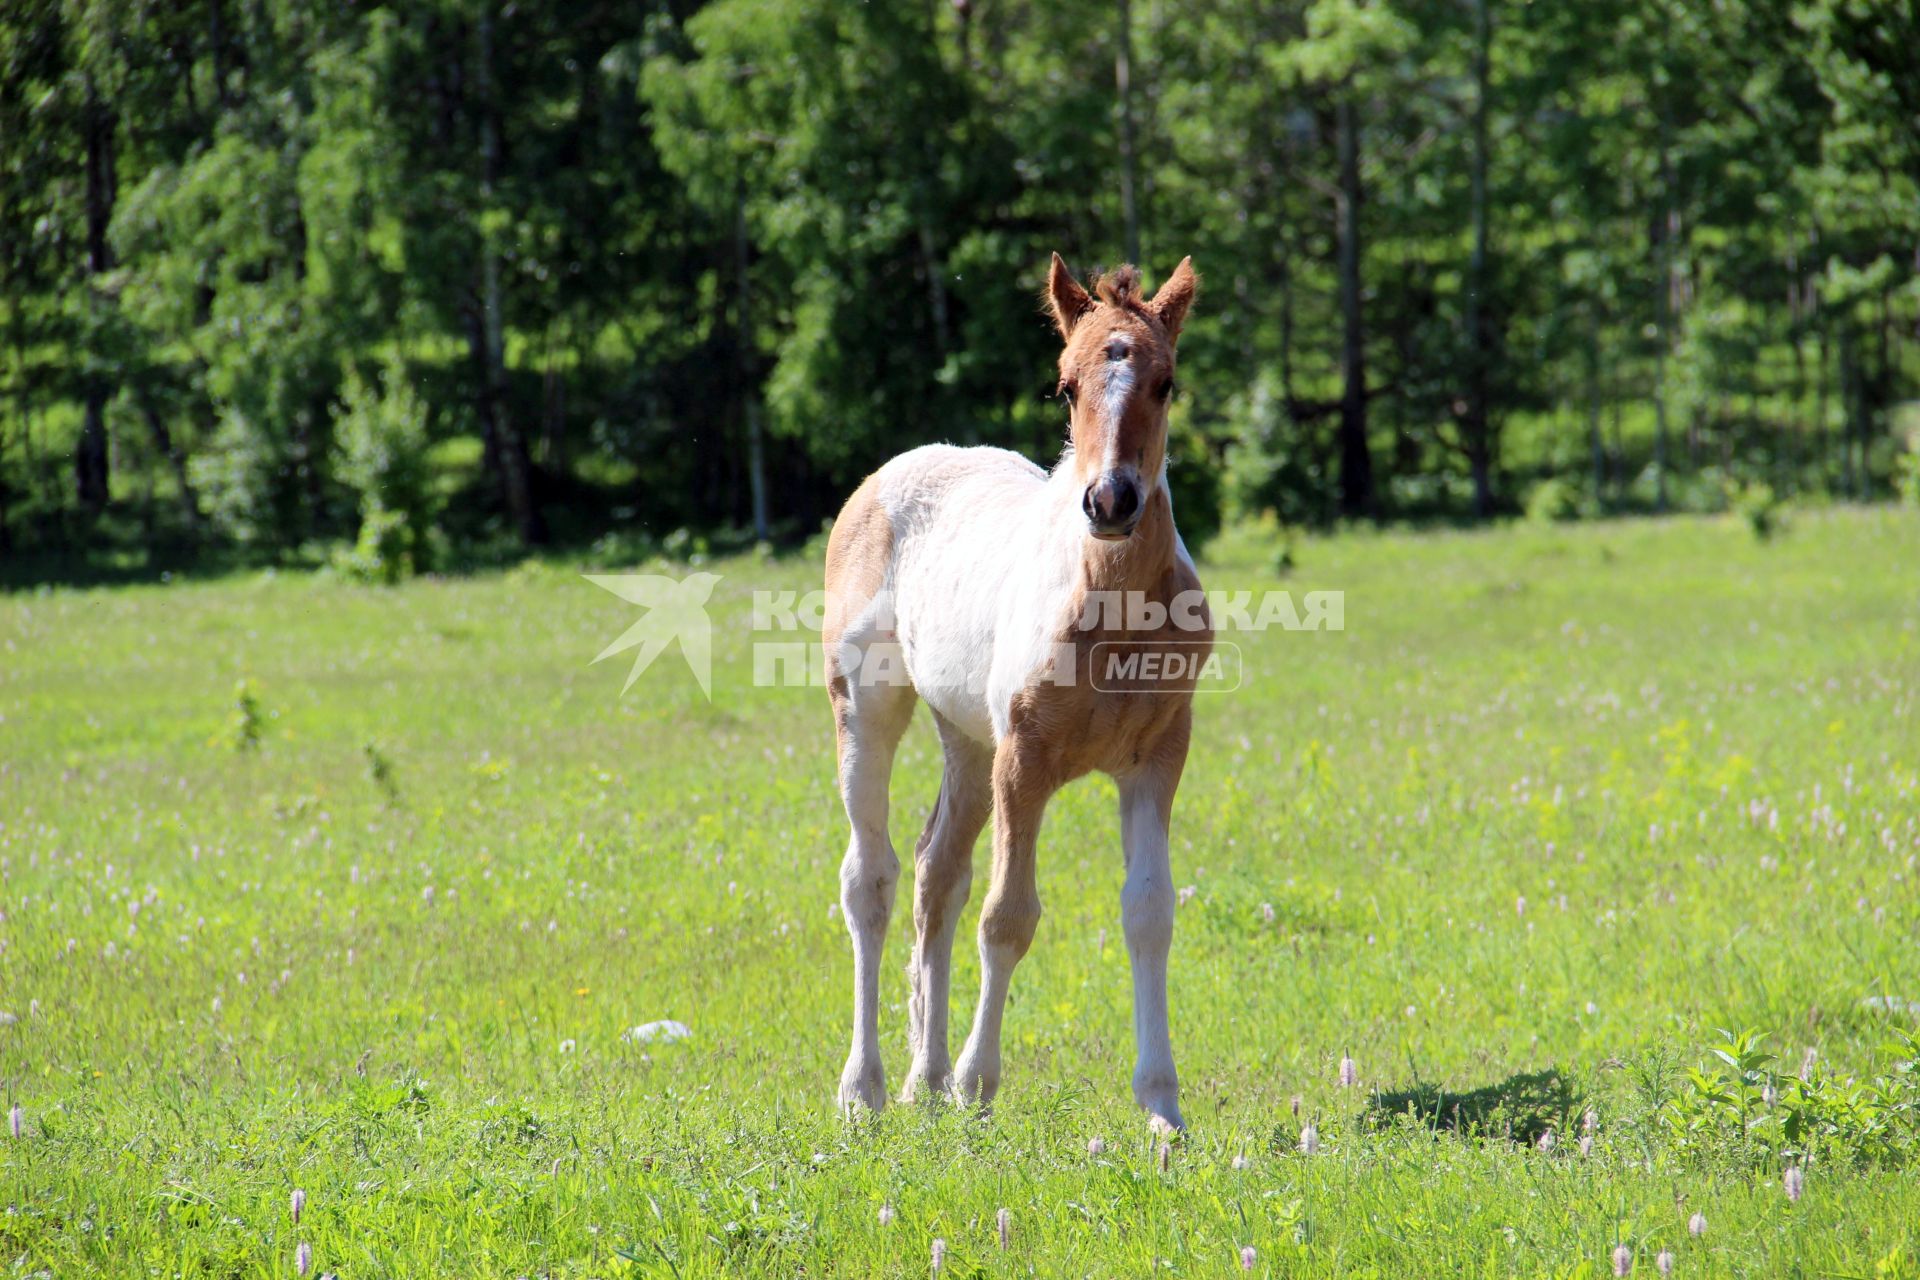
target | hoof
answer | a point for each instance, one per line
(975, 1082)
(926, 1087)
(863, 1087)
(1162, 1106)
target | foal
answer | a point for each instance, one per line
(964, 576)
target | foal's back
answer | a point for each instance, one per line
(933, 566)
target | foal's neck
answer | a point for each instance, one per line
(1136, 563)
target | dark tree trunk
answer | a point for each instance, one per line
(90, 454)
(1478, 427)
(1356, 462)
(749, 375)
(1123, 89)
(516, 468)
(553, 420)
(1668, 310)
(1596, 445)
(1823, 383)
(176, 460)
(1849, 397)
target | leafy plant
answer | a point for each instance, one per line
(244, 731)
(1743, 1105)
(1756, 503)
(380, 770)
(383, 440)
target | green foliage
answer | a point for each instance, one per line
(1633, 250)
(1909, 478)
(1756, 503)
(1552, 500)
(1745, 1106)
(384, 551)
(240, 475)
(1907, 465)
(1264, 469)
(1194, 482)
(383, 441)
(380, 771)
(244, 729)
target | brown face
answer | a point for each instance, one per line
(1117, 372)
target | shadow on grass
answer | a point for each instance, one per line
(1517, 1109)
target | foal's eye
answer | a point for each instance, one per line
(1069, 389)
(1165, 390)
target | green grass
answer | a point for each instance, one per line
(237, 972)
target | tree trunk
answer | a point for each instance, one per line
(90, 454)
(1478, 425)
(749, 375)
(1668, 227)
(1286, 323)
(1123, 87)
(1356, 463)
(1660, 425)
(176, 460)
(1823, 382)
(1849, 394)
(1615, 431)
(1596, 445)
(1793, 449)
(516, 484)
(553, 419)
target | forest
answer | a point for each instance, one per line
(427, 283)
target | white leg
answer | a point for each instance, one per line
(1146, 912)
(872, 718)
(943, 875)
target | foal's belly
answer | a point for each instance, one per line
(947, 630)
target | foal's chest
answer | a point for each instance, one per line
(1127, 687)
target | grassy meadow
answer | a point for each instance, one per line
(1557, 806)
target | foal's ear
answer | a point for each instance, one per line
(1065, 297)
(1171, 300)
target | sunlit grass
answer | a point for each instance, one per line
(1555, 806)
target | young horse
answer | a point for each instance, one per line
(965, 576)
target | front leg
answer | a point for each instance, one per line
(1146, 911)
(943, 873)
(1022, 784)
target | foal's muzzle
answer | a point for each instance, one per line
(1113, 504)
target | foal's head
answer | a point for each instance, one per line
(1117, 374)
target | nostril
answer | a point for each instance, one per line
(1087, 503)
(1126, 500)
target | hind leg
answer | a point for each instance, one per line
(870, 719)
(943, 875)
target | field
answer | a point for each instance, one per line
(1555, 807)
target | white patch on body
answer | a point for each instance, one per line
(985, 549)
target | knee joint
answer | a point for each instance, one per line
(867, 875)
(1009, 923)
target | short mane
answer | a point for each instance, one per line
(1120, 287)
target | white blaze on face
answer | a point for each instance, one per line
(1113, 402)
